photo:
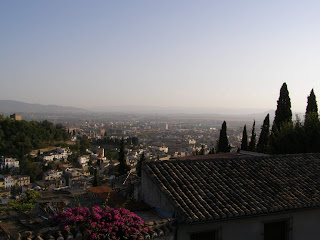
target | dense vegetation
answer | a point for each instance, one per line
(18, 138)
(288, 136)
(26, 203)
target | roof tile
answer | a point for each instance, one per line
(213, 189)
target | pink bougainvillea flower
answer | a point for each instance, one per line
(102, 223)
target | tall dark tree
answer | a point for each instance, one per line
(123, 166)
(312, 106)
(312, 125)
(202, 151)
(139, 164)
(263, 143)
(282, 126)
(252, 144)
(223, 144)
(283, 111)
(244, 141)
(96, 181)
(212, 151)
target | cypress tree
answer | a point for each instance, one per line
(282, 126)
(312, 106)
(312, 125)
(139, 164)
(212, 151)
(123, 166)
(244, 141)
(252, 144)
(223, 144)
(96, 181)
(202, 151)
(263, 143)
(283, 112)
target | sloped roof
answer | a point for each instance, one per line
(209, 156)
(215, 189)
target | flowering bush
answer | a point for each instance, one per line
(102, 223)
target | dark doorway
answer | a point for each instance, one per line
(211, 235)
(276, 231)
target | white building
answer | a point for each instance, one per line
(55, 157)
(164, 149)
(52, 175)
(8, 181)
(83, 161)
(48, 158)
(8, 162)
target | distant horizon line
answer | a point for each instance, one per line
(163, 109)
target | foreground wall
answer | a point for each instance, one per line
(302, 225)
(151, 194)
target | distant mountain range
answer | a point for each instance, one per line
(10, 106)
(179, 110)
(192, 112)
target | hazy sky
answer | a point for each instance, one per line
(232, 54)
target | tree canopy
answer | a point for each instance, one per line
(18, 138)
(283, 112)
(312, 106)
(282, 125)
(295, 137)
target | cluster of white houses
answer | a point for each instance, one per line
(8, 181)
(61, 154)
(8, 163)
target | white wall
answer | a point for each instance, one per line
(151, 194)
(305, 226)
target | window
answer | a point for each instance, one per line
(278, 230)
(207, 235)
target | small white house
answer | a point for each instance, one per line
(83, 161)
(48, 158)
(52, 175)
(8, 181)
(164, 149)
(8, 162)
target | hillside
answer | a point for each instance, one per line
(10, 106)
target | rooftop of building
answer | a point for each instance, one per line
(211, 189)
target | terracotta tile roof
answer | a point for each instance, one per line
(215, 189)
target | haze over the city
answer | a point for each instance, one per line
(166, 54)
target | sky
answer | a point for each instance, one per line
(192, 54)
